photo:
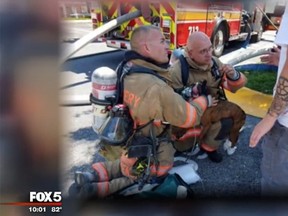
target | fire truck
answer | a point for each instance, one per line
(274, 11)
(222, 21)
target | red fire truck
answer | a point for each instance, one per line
(222, 21)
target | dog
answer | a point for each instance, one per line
(223, 109)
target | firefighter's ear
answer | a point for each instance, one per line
(146, 47)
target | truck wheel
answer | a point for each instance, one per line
(257, 37)
(218, 41)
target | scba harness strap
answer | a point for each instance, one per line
(124, 70)
(185, 70)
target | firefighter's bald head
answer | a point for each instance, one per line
(196, 37)
(199, 48)
(149, 42)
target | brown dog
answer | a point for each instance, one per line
(224, 109)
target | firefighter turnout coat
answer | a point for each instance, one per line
(185, 141)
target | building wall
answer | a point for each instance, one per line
(68, 7)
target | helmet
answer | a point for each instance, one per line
(118, 127)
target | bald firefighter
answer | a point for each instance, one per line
(201, 66)
(153, 106)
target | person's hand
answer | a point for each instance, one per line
(272, 57)
(228, 70)
(214, 101)
(261, 129)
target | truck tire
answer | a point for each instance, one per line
(218, 41)
(257, 37)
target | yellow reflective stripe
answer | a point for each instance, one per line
(168, 10)
(113, 4)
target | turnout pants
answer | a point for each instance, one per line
(117, 175)
(111, 178)
(190, 138)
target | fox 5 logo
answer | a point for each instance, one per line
(45, 196)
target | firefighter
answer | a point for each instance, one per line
(153, 106)
(202, 66)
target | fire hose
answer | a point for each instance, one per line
(97, 33)
(143, 10)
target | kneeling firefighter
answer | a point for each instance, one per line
(144, 108)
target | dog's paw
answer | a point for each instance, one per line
(227, 147)
(227, 144)
(231, 150)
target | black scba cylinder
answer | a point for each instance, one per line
(118, 127)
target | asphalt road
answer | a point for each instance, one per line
(72, 30)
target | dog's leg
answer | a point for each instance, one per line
(234, 133)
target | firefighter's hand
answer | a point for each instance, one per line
(212, 101)
(228, 70)
(272, 57)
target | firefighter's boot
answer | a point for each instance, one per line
(74, 190)
(81, 178)
(215, 156)
(88, 190)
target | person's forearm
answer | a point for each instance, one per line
(280, 100)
